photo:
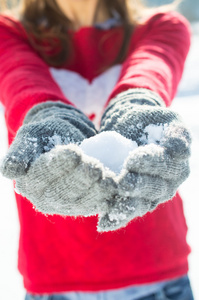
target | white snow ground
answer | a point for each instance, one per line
(187, 104)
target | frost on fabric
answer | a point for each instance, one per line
(110, 148)
(29, 144)
(117, 217)
(153, 134)
(52, 141)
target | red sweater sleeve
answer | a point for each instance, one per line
(155, 61)
(25, 79)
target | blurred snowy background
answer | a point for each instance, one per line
(187, 104)
(189, 8)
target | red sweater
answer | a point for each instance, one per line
(56, 253)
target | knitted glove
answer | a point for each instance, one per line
(153, 172)
(50, 170)
(68, 182)
(46, 125)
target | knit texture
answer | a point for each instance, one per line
(74, 256)
(153, 172)
(58, 179)
(66, 182)
(46, 125)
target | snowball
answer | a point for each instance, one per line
(110, 148)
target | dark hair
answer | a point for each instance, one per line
(47, 26)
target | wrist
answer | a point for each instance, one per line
(138, 96)
(47, 109)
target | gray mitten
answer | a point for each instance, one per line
(153, 172)
(46, 125)
(65, 181)
(53, 172)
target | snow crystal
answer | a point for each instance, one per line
(153, 134)
(117, 217)
(52, 141)
(32, 139)
(110, 148)
(55, 139)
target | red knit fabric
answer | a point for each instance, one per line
(56, 253)
(156, 56)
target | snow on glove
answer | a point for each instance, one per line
(153, 172)
(65, 181)
(46, 125)
(49, 169)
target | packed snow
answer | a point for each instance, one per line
(187, 104)
(153, 133)
(112, 149)
(106, 146)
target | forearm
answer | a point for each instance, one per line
(156, 57)
(25, 79)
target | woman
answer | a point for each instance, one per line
(61, 54)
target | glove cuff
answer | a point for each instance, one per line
(129, 109)
(138, 96)
(51, 110)
(47, 109)
(33, 113)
